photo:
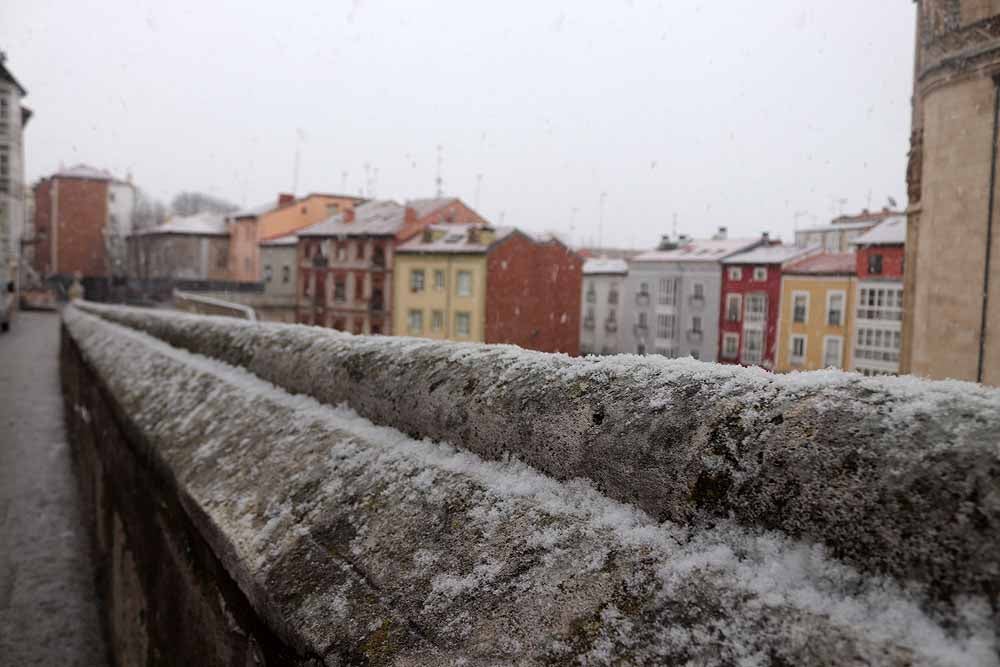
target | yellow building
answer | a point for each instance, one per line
(817, 302)
(440, 283)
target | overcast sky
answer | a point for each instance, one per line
(738, 113)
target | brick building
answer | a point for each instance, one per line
(751, 297)
(952, 282)
(472, 282)
(346, 262)
(879, 298)
(82, 217)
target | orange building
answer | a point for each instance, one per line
(251, 227)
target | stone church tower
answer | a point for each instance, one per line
(952, 271)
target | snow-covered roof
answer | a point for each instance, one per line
(771, 254)
(839, 227)
(286, 240)
(254, 211)
(601, 265)
(699, 250)
(374, 218)
(199, 224)
(889, 232)
(825, 263)
(456, 238)
(85, 171)
(424, 207)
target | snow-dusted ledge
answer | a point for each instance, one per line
(706, 514)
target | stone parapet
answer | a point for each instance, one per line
(349, 542)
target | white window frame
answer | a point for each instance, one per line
(751, 297)
(794, 359)
(738, 298)
(755, 358)
(417, 280)
(437, 320)
(466, 288)
(735, 273)
(726, 339)
(840, 351)
(843, 307)
(439, 284)
(459, 317)
(759, 274)
(795, 295)
(415, 321)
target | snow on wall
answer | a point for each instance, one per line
(352, 538)
(896, 476)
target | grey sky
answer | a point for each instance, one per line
(737, 113)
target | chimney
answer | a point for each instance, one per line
(428, 235)
(473, 234)
(349, 215)
(284, 198)
(765, 237)
(410, 216)
(722, 234)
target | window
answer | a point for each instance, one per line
(437, 320)
(730, 345)
(462, 321)
(339, 289)
(359, 287)
(760, 273)
(438, 279)
(417, 280)
(360, 254)
(832, 346)
(800, 307)
(665, 325)
(875, 344)
(111, 197)
(875, 264)
(668, 292)
(735, 273)
(696, 324)
(286, 274)
(880, 304)
(753, 346)
(835, 308)
(734, 302)
(416, 321)
(756, 307)
(268, 273)
(221, 257)
(699, 291)
(611, 315)
(798, 351)
(591, 292)
(613, 295)
(341, 252)
(643, 323)
(464, 283)
(644, 289)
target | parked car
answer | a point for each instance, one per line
(7, 303)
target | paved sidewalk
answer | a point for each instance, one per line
(48, 608)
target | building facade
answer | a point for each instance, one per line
(346, 263)
(473, 282)
(671, 301)
(189, 248)
(751, 299)
(289, 214)
(877, 336)
(815, 320)
(952, 281)
(837, 236)
(603, 290)
(83, 216)
(13, 119)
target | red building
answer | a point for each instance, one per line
(751, 298)
(878, 320)
(533, 294)
(346, 262)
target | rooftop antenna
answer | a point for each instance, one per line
(438, 181)
(795, 219)
(479, 184)
(572, 224)
(600, 219)
(502, 212)
(298, 154)
(674, 226)
(343, 181)
(368, 178)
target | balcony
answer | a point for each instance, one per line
(591, 297)
(697, 302)
(320, 261)
(611, 326)
(695, 336)
(642, 299)
(588, 323)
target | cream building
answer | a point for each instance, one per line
(13, 118)
(951, 298)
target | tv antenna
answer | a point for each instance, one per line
(479, 185)
(438, 181)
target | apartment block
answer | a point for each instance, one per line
(817, 302)
(14, 118)
(603, 290)
(879, 315)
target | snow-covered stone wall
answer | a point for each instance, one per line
(372, 497)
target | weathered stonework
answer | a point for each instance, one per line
(297, 533)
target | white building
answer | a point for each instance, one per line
(671, 305)
(603, 287)
(13, 118)
(878, 325)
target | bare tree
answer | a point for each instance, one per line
(189, 203)
(147, 213)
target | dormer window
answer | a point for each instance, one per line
(473, 235)
(428, 235)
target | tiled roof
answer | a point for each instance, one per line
(825, 263)
(889, 232)
(207, 224)
(701, 250)
(425, 207)
(772, 254)
(453, 238)
(374, 218)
